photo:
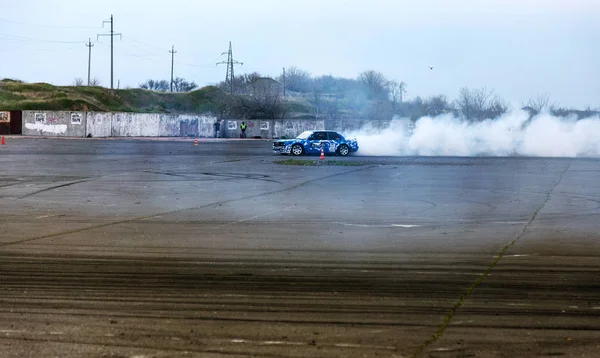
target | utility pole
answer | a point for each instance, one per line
(173, 52)
(112, 35)
(229, 77)
(284, 82)
(90, 45)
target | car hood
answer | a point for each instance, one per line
(284, 140)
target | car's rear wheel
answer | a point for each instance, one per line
(343, 150)
(297, 149)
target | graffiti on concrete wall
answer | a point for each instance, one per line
(75, 118)
(264, 126)
(40, 118)
(232, 125)
(47, 128)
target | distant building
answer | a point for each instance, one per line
(265, 86)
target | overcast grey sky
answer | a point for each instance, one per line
(518, 48)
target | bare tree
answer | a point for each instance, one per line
(181, 85)
(250, 81)
(380, 110)
(78, 82)
(325, 93)
(496, 108)
(152, 85)
(328, 85)
(238, 84)
(242, 84)
(436, 105)
(316, 101)
(396, 91)
(95, 82)
(538, 104)
(297, 80)
(479, 104)
(375, 84)
(260, 107)
(471, 103)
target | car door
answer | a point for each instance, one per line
(334, 140)
(317, 141)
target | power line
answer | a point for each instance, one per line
(112, 34)
(229, 77)
(192, 65)
(42, 49)
(145, 50)
(172, 52)
(146, 44)
(47, 26)
(147, 56)
(161, 49)
(34, 40)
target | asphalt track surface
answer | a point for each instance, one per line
(134, 248)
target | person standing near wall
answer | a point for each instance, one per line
(243, 127)
(217, 126)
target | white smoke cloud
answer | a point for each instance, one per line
(513, 134)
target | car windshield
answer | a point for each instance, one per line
(304, 135)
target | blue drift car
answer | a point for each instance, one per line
(311, 142)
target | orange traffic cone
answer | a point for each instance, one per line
(196, 142)
(3, 141)
(322, 154)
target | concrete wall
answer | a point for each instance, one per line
(186, 125)
(135, 124)
(99, 124)
(54, 123)
(268, 128)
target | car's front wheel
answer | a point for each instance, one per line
(297, 149)
(343, 150)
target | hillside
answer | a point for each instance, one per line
(15, 95)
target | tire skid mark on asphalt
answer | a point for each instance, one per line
(165, 172)
(391, 263)
(227, 176)
(154, 346)
(16, 183)
(333, 322)
(146, 217)
(483, 276)
(56, 187)
(270, 212)
(260, 177)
